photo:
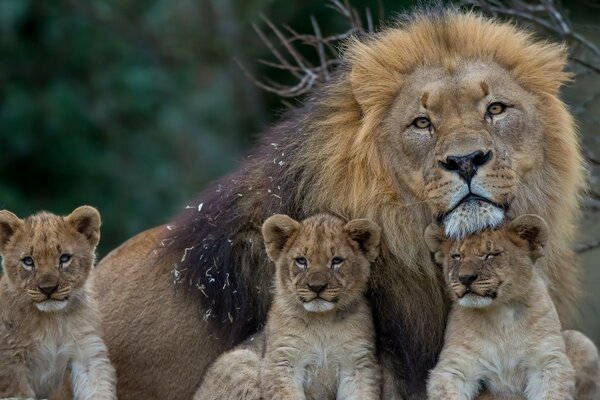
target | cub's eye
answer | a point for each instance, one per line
(456, 257)
(64, 258)
(335, 261)
(421, 123)
(301, 262)
(28, 263)
(491, 255)
(496, 108)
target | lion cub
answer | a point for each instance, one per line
(48, 319)
(503, 332)
(319, 340)
(320, 337)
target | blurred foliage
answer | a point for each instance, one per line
(132, 105)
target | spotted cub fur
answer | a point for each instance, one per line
(503, 332)
(48, 319)
(319, 340)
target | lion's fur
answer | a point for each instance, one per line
(312, 350)
(324, 157)
(503, 328)
(45, 337)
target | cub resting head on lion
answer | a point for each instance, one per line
(445, 115)
(503, 331)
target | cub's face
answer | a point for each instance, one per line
(323, 263)
(47, 257)
(493, 266)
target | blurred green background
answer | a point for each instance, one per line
(134, 105)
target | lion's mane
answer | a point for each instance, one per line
(324, 157)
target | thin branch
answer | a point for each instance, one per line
(584, 247)
(287, 42)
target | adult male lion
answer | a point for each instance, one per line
(446, 115)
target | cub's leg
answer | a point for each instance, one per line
(92, 374)
(277, 379)
(453, 377)
(233, 376)
(13, 381)
(583, 354)
(553, 379)
(362, 381)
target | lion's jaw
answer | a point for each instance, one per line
(472, 215)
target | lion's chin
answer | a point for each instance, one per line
(318, 305)
(471, 300)
(470, 217)
(51, 305)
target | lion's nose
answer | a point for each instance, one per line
(467, 280)
(48, 290)
(466, 165)
(317, 282)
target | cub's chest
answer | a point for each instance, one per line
(49, 359)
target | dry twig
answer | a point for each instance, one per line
(286, 51)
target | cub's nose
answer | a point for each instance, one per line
(48, 290)
(467, 280)
(466, 165)
(317, 282)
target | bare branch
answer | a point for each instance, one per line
(584, 247)
(546, 14)
(286, 51)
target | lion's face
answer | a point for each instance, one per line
(463, 140)
(322, 263)
(494, 266)
(48, 258)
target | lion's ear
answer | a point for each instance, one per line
(434, 238)
(276, 231)
(367, 234)
(532, 231)
(86, 220)
(9, 224)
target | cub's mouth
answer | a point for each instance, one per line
(473, 213)
(51, 305)
(470, 298)
(318, 305)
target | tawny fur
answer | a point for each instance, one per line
(308, 354)
(352, 151)
(503, 333)
(42, 336)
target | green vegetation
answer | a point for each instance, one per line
(131, 106)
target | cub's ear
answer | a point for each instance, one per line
(86, 220)
(367, 234)
(532, 231)
(9, 224)
(434, 238)
(276, 231)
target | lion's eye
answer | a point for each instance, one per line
(456, 257)
(491, 255)
(421, 123)
(28, 263)
(64, 258)
(496, 108)
(301, 262)
(335, 261)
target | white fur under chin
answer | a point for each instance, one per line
(474, 301)
(472, 217)
(319, 305)
(51, 305)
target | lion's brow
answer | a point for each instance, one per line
(486, 89)
(424, 99)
